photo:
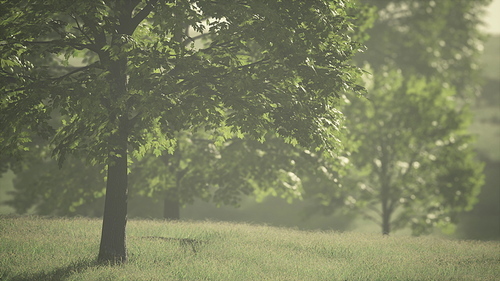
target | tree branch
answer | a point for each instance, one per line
(99, 35)
(392, 205)
(410, 164)
(79, 28)
(253, 63)
(75, 71)
(193, 39)
(140, 16)
(61, 43)
(372, 218)
(375, 210)
(50, 79)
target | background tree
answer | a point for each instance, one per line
(440, 41)
(44, 188)
(415, 164)
(482, 222)
(144, 83)
(180, 177)
(198, 168)
(437, 39)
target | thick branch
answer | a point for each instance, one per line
(80, 28)
(140, 16)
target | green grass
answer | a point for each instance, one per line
(34, 248)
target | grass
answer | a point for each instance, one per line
(35, 248)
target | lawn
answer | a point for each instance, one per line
(37, 248)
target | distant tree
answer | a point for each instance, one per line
(415, 165)
(198, 168)
(145, 79)
(274, 168)
(40, 186)
(180, 177)
(222, 173)
(438, 39)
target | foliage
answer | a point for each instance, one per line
(437, 39)
(482, 222)
(145, 80)
(274, 168)
(42, 187)
(35, 248)
(168, 81)
(434, 45)
(198, 168)
(415, 164)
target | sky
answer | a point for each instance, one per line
(492, 19)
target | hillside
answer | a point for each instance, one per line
(34, 248)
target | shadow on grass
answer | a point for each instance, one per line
(183, 242)
(60, 273)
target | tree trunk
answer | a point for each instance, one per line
(386, 211)
(385, 192)
(171, 209)
(386, 221)
(113, 242)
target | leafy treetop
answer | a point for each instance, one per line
(166, 84)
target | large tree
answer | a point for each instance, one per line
(145, 80)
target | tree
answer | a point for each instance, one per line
(42, 187)
(437, 39)
(145, 81)
(180, 177)
(198, 168)
(415, 164)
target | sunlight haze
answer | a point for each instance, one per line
(492, 19)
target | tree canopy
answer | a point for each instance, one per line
(144, 79)
(429, 38)
(199, 168)
(415, 165)
(435, 46)
(423, 57)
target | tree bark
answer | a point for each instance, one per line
(386, 221)
(385, 192)
(113, 241)
(171, 209)
(386, 212)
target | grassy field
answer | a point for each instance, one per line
(34, 248)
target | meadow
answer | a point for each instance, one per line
(39, 248)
